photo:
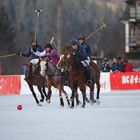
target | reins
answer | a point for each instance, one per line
(53, 74)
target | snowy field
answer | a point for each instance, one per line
(116, 118)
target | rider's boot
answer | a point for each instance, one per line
(29, 72)
(88, 75)
(64, 78)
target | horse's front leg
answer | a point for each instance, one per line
(49, 92)
(34, 94)
(78, 102)
(98, 93)
(44, 91)
(92, 100)
(66, 95)
(42, 96)
(83, 90)
(72, 98)
(60, 95)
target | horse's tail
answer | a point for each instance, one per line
(96, 72)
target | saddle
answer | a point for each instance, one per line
(64, 78)
(52, 70)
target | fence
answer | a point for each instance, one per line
(15, 84)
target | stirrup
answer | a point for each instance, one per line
(89, 82)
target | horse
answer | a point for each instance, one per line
(78, 79)
(53, 78)
(35, 79)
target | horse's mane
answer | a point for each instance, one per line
(37, 68)
(75, 64)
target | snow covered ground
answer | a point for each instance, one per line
(116, 118)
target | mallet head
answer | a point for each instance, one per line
(39, 10)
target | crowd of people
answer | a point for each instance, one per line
(116, 65)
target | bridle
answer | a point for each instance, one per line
(66, 65)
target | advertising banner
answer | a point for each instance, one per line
(125, 80)
(10, 85)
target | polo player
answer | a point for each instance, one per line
(83, 57)
(34, 58)
(83, 44)
(51, 54)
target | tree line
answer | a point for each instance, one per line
(63, 19)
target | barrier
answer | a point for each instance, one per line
(109, 81)
(10, 85)
(125, 81)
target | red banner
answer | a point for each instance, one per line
(10, 85)
(125, 80)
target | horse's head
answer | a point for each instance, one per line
(69, 62)
(64, 62)
(43, 68)
(46, 68)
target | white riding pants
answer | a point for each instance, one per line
(34, 61)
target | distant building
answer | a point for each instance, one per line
(132, 25)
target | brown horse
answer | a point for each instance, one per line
(35, 79)
(53, 78)
(77, 77)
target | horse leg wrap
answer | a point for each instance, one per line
(61, 101)
(67, 100)
(49, 94)
(84, 99)
(92, 98)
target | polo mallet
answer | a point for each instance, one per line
(8, 55)
(100, 28)
(52, 42)
(36, 26)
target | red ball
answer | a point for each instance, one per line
(19, 107)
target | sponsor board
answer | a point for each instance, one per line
(125, 80)
(109, 81)
(10, 85)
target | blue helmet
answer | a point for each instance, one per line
(73, 42)
(81, 37)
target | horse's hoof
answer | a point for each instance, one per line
(39, 104)
(87, 100)
(98, 102)
(61, 106)
(82, 106)
(78, 103)
(71, 107)
(92, 102)
(41, 100)
(68, 103)
(48, 101)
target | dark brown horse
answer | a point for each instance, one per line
(35, 79)
(77, 77)
(53, 78)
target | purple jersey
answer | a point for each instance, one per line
(54, 57)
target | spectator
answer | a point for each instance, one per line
(114, 66)
(128, 66)
(121, 65)
(105, 66)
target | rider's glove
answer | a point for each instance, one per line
(19, 53)
(74, 52)
(34, 49)
(88, 58)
